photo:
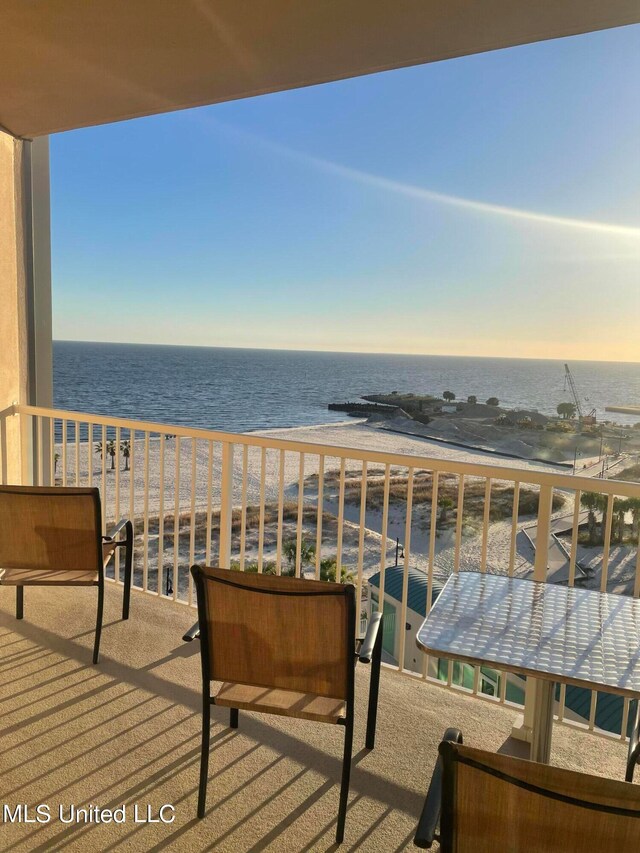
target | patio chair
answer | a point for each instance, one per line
(284, 646)
(51, 536)
(483, 801)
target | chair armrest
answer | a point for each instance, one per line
(111, 535)
(365, 653)
(427, 831)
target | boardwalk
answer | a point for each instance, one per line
(559, 556)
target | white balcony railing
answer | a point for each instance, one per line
(257, 503)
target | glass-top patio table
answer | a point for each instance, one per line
(553, 633)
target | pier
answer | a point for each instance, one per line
(624, 410)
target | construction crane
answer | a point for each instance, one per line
(588, 419)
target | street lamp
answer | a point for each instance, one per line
(575, 456)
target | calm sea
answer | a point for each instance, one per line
(242, 389)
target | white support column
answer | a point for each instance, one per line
(25, 292)
(538, 694)
(543, 716)
(13, 326)
(39, 321)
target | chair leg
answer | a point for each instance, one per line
(96, 647)
(634, 746)
(374, 688)
(128, 569)
(19, 602)
(346, 775)
(233, 717)
(204, 755)
(193, 633)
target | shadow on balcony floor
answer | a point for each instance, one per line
(127, 731)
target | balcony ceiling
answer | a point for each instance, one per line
(73, 63)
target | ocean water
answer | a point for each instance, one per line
(249, 389)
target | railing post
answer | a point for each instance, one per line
(226, 505)
(9, 424)
(45, 450)
(523, 728)
(27, 450)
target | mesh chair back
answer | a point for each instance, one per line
(496, 802)
(278, 632)
(50, 528)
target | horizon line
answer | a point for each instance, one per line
(562, 359)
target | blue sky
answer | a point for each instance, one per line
(336, 217)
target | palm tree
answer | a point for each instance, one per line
(268, 568)
(620, 508)
(591, 501)
(634, 507)
(603, 506)
(111, 451)
(445, 504)
(290, 551)
(328, 571)
(125, 449)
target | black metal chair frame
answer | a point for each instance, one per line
(433, 814)
(368, 651)
(109, 538)
(634, 746)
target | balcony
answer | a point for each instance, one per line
(127, 731)
(253, 503)
(397, 525)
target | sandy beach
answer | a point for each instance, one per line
(354, 435)
(123, 497)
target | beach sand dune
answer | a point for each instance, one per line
(150, 472)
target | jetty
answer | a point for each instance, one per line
(362, 408)
(624, 410)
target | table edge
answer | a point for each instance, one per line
(545, 675)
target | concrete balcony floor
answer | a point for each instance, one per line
(127, 731)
